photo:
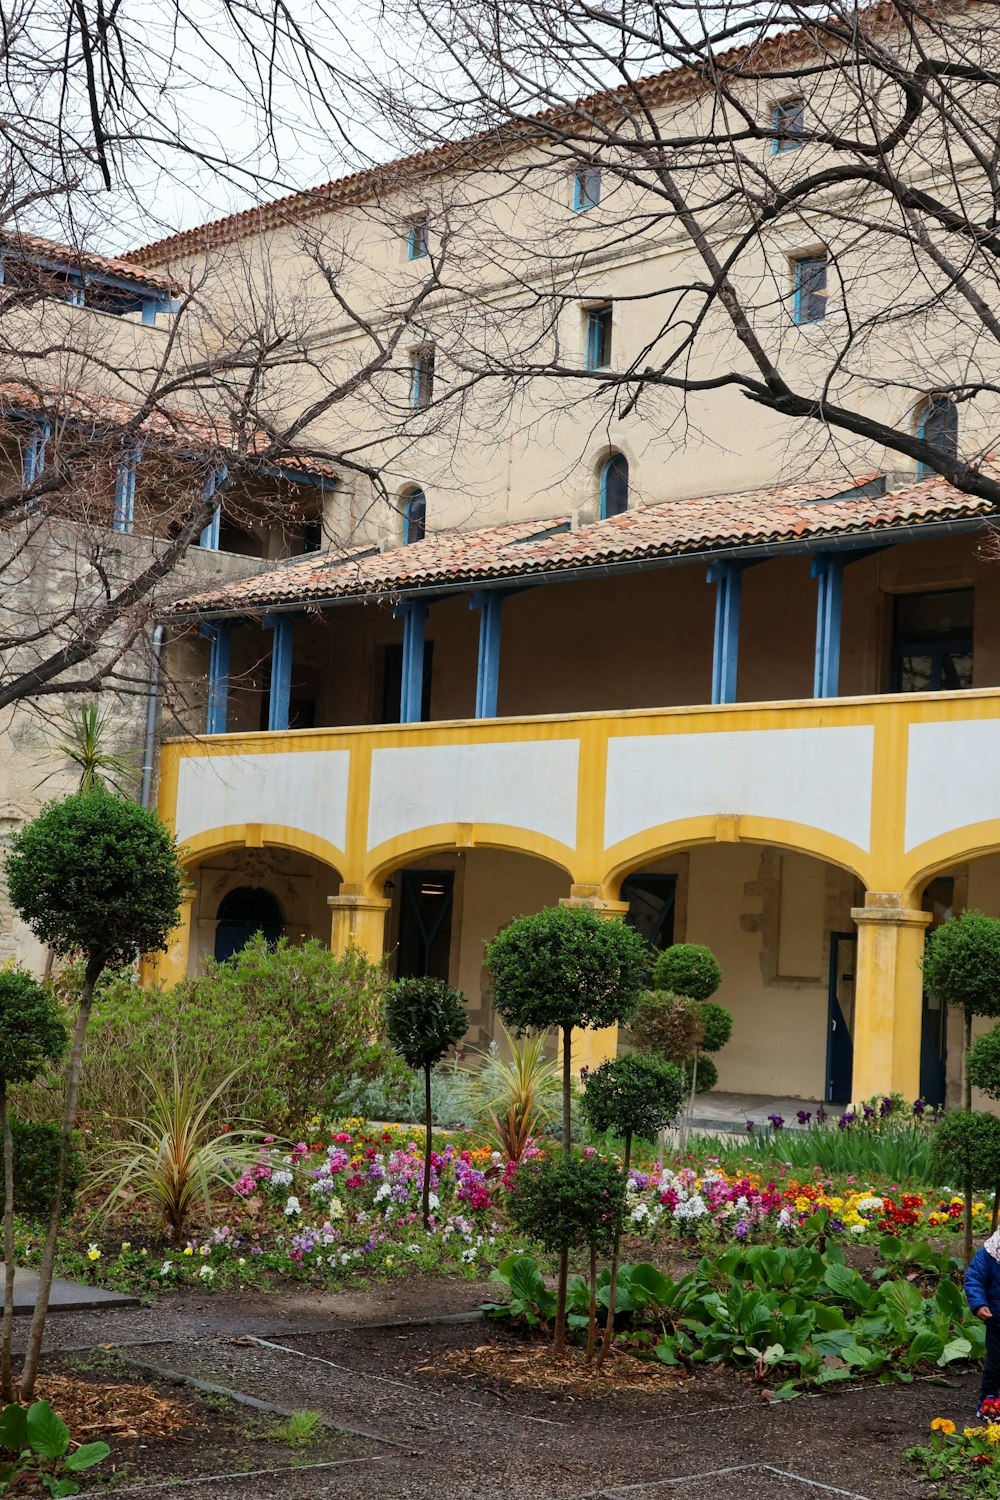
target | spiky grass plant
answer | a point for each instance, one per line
(522, 1095)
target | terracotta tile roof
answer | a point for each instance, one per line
(783, 514)
(172, 426)
(33, 246)
(776, 52)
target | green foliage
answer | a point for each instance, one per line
(36, 1170)
(530, 1298)
(565, 1202)
(687, 969)
(41, 1442)
(32, 1032)
(291, 1028)
(85, 740)
(96, 874)
(633, 1095)
(519, 1097)
(667, 1026)
(707, 1078)
(566, 966)
(718, 1022)
(962, 963)
(901, 1153)
(424, 1017)
(965, 1147)
(983, 1063)
(298, 1429)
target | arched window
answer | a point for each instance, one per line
(244, 911)
(414, 517)
(938, 425)
(614, 486)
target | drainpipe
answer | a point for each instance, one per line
(152, 701)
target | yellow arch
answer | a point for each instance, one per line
(443, 838)
(974, 841)
(672, 838)
(202, 846)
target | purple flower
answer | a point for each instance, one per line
(804, 1116)
(742, 1229)
(820, 1115)
(885, 1108)
(584, 1073)
(749, 1126)
(918, 1107)
(777, 1121)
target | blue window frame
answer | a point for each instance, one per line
(788, 118)
(422, 376)
(586, 189)
(414, 518)
(33, 453)
(932, 641)
(125, 491)
(938, 425)
(614, 486)
(417, 243)
(809, 279)
(599, 337)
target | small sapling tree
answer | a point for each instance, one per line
(965, 1149)
(567, 1202)
(983, 1068)
(102, 877)
(962, 968)
(568, 967)
(423, 1018)
(691, 971)
(631, 1096)
(32, 1038)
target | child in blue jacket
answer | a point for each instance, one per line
(982, 1289)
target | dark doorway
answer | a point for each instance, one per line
(939, 900)
(425, 904)
(243, 912)
(651, 902)
(840, 1036)
(392, 683)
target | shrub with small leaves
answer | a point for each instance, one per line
(718, 1023)
(707, 1077)
(423, 1018)
(965, 1149)
(633, 1096)
(567, 1202)
(667, 1026)
(983, 1063)
(687, 969)
(36, 1170)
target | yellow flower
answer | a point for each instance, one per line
(188, 1251)
(974, 1432)
(126, 1244)
(993, 1433)
(943, 1424)
(93, 1253)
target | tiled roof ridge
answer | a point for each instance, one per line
(87, 260)
(673, 83)
(699, 525)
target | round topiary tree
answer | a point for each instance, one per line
(95, 875)
(631, 1096)
(32, 1038)
(718, 1023)
(667, 1026)
(566, 966)
(687, 969)
(424, 1018)
(965, 1149)
(962, 968)
(566, 1202)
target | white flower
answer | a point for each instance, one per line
(468, 1255)
(858, 1228)
(866, 1205)
(292, 1207)
(632, 1187)
(496, 1158)
(694, 1207)
(166, 1268)
(382, 1193)
(640, 1212)
(433, 1201)
(742, 1205)
(335, 1209)
(784, 1218)
(206, 1273)
(413, 1249)
(280, 1179)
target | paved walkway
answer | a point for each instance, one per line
(719, 1113)
(65, 1296)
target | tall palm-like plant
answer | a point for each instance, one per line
(522, 1095)
(84, 740)
(172, 1155)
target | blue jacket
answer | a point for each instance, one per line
(982, 1283)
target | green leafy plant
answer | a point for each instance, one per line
(667, 1026)
(173, 1156)
(962, 967)
(95, 875)
(300, 1428)
(687, 969)
(631, 1096)
(84, 739)
(41, 1441)
(566, 967)
(424, 1018)
(530, 1298)
(966, 1148)
(32, 1038)
(567, 1203)
(520, 1095)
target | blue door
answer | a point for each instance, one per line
(246, 910)
(840, 1040)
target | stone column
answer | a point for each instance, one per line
(888, 996)
(592, 1047)
(358, 920)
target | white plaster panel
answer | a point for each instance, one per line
(305, 789)
(531, 786)
(952, 778)
(819, 777)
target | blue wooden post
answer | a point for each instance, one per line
(828, 568)
(281, 669)
(412, 687)
(209, 538)
(218, 676)
(728, 578)
(490, 601)
(124, 512)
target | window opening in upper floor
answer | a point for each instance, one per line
(422, 376)
(938, 425)
(414, 518)
(599, 329)
(788, 119)
(809, 285)
(586, 189)
(614, 486)
(417, 238)
(932, 641)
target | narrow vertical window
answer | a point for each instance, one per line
(417, 243)
(809, 281)
(789, 121)
(938, 426)
(33, 453)
(599, 337)
(125, 491)
(586, 189)
(414, 518)
(422, 376)
(614, 486)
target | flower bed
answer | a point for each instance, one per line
(966, 1461)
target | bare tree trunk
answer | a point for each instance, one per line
(690, 1105)
(968, 1223)
(592, 1323)
(29, 1371)
(559, 1341)
(966, 1048)
(996, 1210)
(6, 1373)
(609, 1327)
(426, 1200)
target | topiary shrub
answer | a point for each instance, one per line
(700, 1074)
(36, 1169)
(424, 1018)
(965, 1150)
(718, 1023)
(667, 1026)
(687, 969)
(962, 968)
(983, 1063)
